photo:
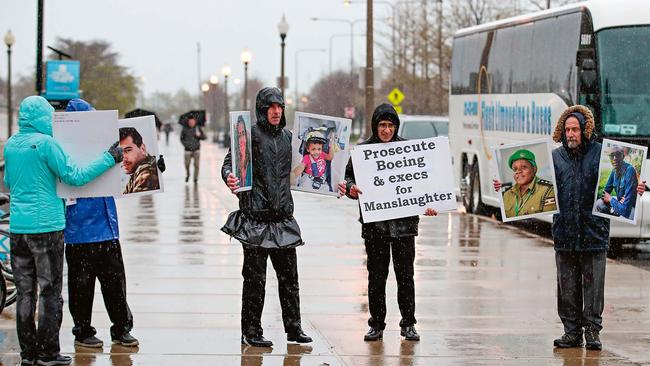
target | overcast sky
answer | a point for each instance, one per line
(158, 39)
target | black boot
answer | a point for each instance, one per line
(298, 337)
(410, 334)
(374, 335)
(256, 341)
(569, 341)
(593, 340)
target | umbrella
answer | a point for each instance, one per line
(198, 115)
(139, 112)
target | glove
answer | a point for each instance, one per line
(161, 164)
(116, 152)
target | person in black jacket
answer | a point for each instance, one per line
(264, 223)
(191, 137)
(580, 238)
(381, 237)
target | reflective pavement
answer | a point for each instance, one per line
(485, 292)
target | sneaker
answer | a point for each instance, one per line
(593, 340)
(568, 341)
(410, 333)
(90, 342)
(374, 335)
(54, 360)
(26, 361)
(126, 340)
(256, 341)
(298, 337)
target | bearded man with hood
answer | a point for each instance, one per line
(34, 161)
(381, 237)
(264, 223)
(580, 238)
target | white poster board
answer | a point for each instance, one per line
(85, 136)
(139, 169)
(320, 152)
(619, 172)
(537, 181)
(241, 147)
(400, 179)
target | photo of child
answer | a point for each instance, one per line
(320, 154)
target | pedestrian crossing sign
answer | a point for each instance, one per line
(395, 96)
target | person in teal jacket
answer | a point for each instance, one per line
(34, 161)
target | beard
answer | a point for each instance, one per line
(572, 144)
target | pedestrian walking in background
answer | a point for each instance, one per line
(167, 128)
(580, 239)
(93, 252)
(191, 137)
(382, 237)
(34, 161)
(264, 223)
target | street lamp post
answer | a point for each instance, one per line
(225, 71)
(9, 41)
(246, 59)
(339, 35)
(283, 29)
(296, 81)
(214, 81)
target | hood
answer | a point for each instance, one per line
(384, 112)
(587, 126)
(35, 115)
(265, 98)
(78, 105)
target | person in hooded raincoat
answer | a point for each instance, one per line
(580, 238)
(93, 252)
(264, 223)
(34, 161)
(382, 237)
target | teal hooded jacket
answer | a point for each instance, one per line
(34, 161)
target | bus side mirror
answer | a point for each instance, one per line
(588, 76)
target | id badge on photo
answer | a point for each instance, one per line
(70, 201)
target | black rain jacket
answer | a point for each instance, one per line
(576, 174)
(394, 228)
(265, 216)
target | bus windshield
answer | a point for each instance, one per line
(625, 80)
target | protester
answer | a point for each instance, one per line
(264, 223)
(381, 237)
(530, 194)
(138, 163)
(622, 182)
(191, 137)
(93, 252)
(34, 161)
(580, 238)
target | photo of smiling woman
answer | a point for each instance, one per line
(242, 162)
(528, 180)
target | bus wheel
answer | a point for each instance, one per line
(476, 202)
(464, 186)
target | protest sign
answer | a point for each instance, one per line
(85, 136)
(139, 139)
(241, 156)
(620, 170)
(527, 175)
(320, 152)
(400, 179)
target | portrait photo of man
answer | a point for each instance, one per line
(137, 163)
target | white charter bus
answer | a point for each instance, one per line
(511, 79)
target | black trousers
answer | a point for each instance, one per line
(254, 272)
(37, 261)
(378, 251)
(580, 289)
(102, 261)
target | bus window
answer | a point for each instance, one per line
(472, 62)
(521, 57)
(457, 65)
(563, 76)
(499, 61)
(545, 40)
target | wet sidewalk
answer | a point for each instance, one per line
(485, 292)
